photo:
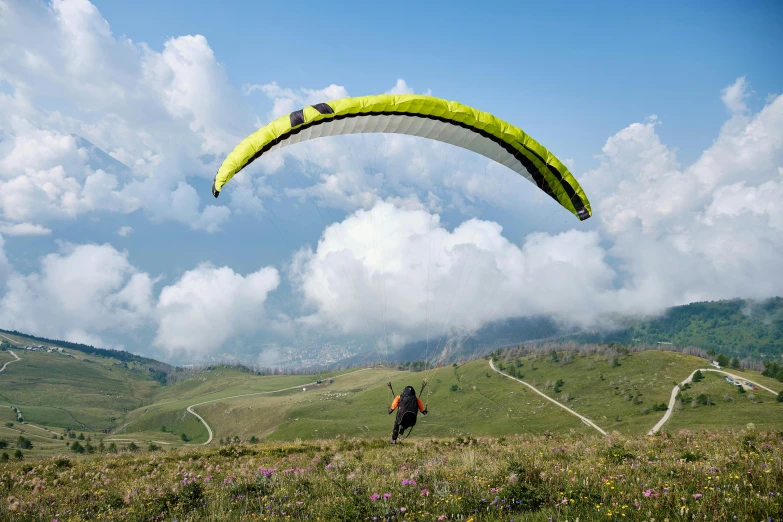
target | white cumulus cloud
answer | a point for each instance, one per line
(82, 288)
(23, 229)
(209, 305)
(167, 115)
(396, 270)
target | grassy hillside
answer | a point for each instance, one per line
(168, 411)
(616, 392)
(713, 403)
(625, 391)
(728, 476)
(120, 355)
(620, 391)
(352, 405)
(73, 390)
(736, 328)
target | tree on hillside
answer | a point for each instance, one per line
(24, 443)
(722, 360)
(18, 455)
(698, 376)
(780, 397)
(735, 363)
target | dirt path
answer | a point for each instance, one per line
(550, 399)
(676, 389)
(9, 362)
(8, 339)
(209, 430)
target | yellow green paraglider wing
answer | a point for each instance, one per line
(415, 115)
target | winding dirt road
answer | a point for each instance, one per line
(9, 362)
(676, 389)
(209, 430)
(550, 399)
(9, 351)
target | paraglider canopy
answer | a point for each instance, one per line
(415, 115)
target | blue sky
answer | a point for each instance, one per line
(570, 72)
(669, 115)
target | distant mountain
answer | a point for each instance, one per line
(737, 328)
(99, 159)
(492, 336)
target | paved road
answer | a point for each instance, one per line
(550, 399)
(209, 430)
(676, 389)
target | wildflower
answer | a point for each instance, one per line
(375, 496)
(386, 496)
(697, 496)
(403, 510)
(425, 492)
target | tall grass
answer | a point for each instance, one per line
(682, 476)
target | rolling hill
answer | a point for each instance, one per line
(737, 328)
(64, 392)
(741, 328)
